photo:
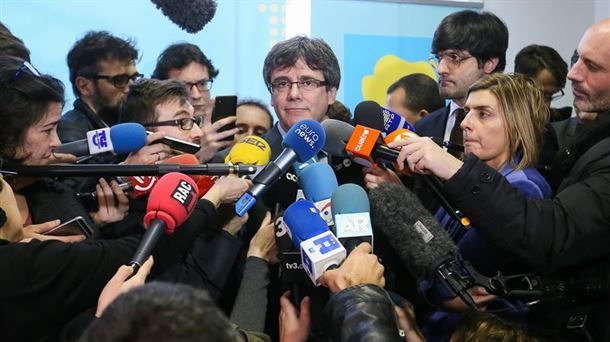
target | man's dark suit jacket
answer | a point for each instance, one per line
(433, 124)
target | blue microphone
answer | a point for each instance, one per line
(302, 142)
(351, 214)
(122, 138)
(320, 249)
(319, 182)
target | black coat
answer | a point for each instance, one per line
(566, 237)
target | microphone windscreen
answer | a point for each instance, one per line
(399, 134)
(127, 137)
(250, 150)
(418, 239)
(184, 159)
(304, 222)
(305, 138)
(349, 198)
(172, 200)
(318, 182)
(189, 15)
(337, 135)
(368, 114)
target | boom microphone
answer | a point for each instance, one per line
(143, 185)
(303, 141)
(189, 15)
(170, 203)
(320, 249)
(122, 138)
(104, 170)
(421, 244)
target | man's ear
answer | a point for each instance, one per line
(332, 95)
(422, 113)
(490, 65)
(84, 86)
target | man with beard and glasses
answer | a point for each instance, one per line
(102, 67)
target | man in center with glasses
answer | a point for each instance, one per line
(102, 67)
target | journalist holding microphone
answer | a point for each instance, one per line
(566, 237)
(503, 128)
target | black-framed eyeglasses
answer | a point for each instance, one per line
(553, 97)
(202, 85)
(285, 85)
(185, 124)
(452, 58)
(23, 67)
(119, 81)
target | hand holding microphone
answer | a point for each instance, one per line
(170, 203)
(424, 156)
(360, 267)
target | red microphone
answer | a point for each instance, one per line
(170, 203)
(142, 185)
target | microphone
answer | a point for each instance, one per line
(368, 113)
(362, 140)
(421, 243)
(300, 167)
(351, 213)
(189, 15)
(170, 203)
(252, 150)
(371, 114)
(320, 249)
(303, 141)
(142, 185)
(318, 182)
(399, 134)
(120, 139)
(103, 170)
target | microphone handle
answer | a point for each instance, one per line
(102, 170)
(385, 153)
(147, 244)
(78, 148)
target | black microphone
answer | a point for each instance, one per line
(421, 243)
(170, 203)
(189, 15)
(102, 170)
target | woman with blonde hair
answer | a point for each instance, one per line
(503, 127)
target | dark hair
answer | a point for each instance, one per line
(421, 92)
(339, 111)
(315, 52)
(96, 46)
(24, 101)
(161, 311)
(178, 56)
(11, 45)
(138, 105)
(258, 104)
(532, 59)
(483, 35)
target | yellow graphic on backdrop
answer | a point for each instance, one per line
(388, 70)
